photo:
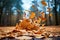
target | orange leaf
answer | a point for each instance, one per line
(32, 15)
(51, 14)
(44, 3)
(43, 19)
(43, 14)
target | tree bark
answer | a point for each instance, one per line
(56, 17)
(1, 11)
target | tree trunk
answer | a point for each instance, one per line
(56, 17)
(1, 11)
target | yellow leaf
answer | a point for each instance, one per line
(43, 25)
(39, 20)
(51, 14)
(32, 15)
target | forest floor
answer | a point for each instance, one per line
(47, 28)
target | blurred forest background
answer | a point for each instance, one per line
(11, 11)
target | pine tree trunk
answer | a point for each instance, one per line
(56, 17)
(1, 14)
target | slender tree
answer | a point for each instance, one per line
(19, 9)
(8, 4)
(55, 9)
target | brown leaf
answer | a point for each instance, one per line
(44, 3)
(33, 6)
(48, 9)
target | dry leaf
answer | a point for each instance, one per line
(43, 25)
(32, 15)
(51, 14)
(43, 18)
(44, 3)
(33, 6)
(39, 20)
(48, 9)
(42, 14)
